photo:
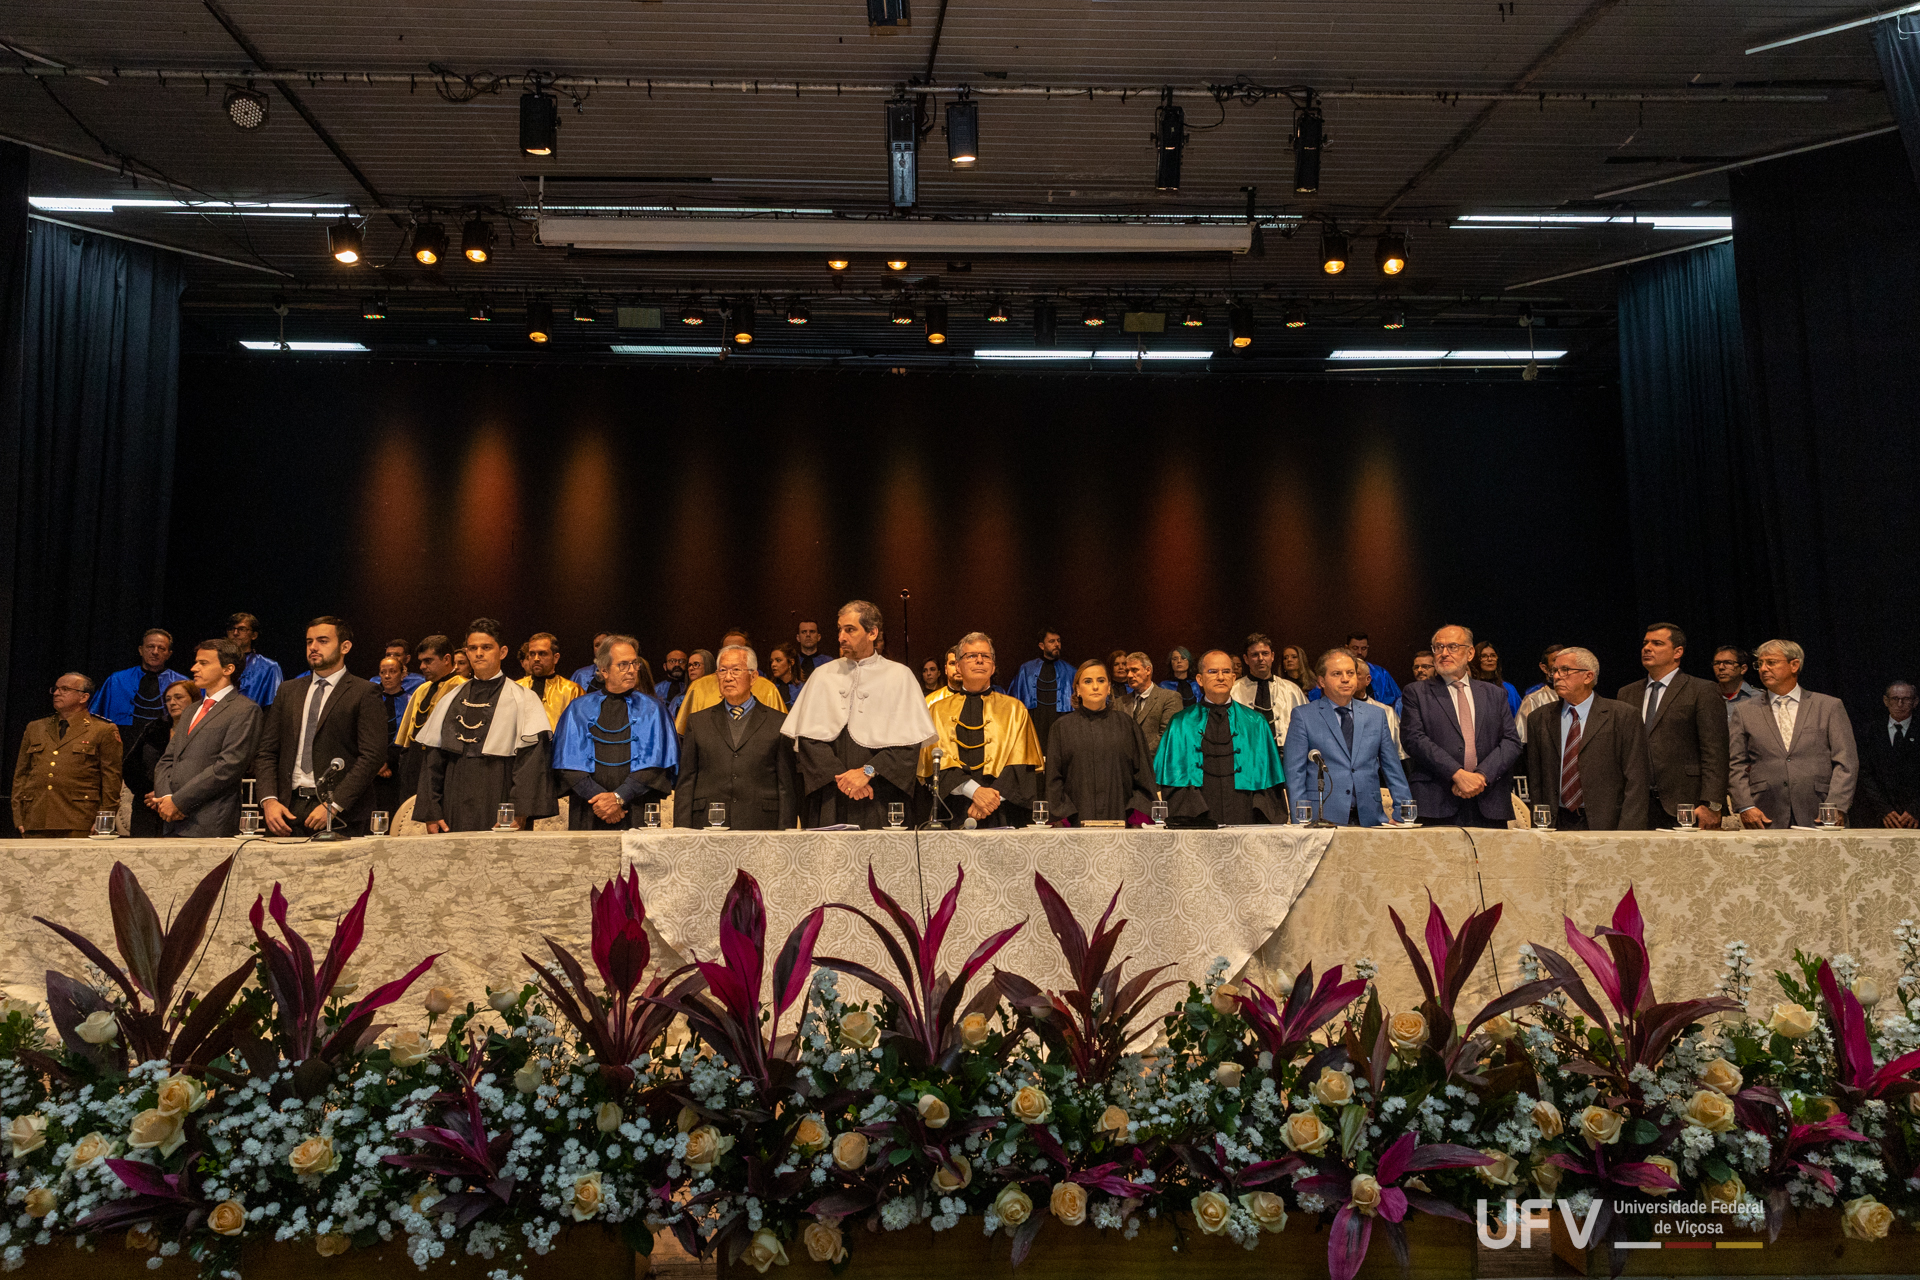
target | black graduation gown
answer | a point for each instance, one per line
(612, 751)
(1017, 785)
(894, 772)
(1216, 797)
(1098, 767)
(465, 788)
(147, 742)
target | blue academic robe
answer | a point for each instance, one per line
(1353, 779)
(650, 735)
(1026, 685)
(584, 676)
(114, 699)
(260, 679)
(1384, 689)
(409, 681)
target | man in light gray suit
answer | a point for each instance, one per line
(1792, 750)
(1151, 707)
(197, 782)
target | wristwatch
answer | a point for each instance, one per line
(867, 769)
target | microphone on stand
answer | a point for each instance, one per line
(323, 786)
(1320, 808)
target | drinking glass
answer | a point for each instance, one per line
(380, 823)
(1543, 817)
(503, 820)
(717, 816)
(650, 815)
(1407, 812)
(1302, 814)
(1829, 816)
(249, 820)
(1684, 817)
(1158, 812)
(106, 824)
(896, 815)
(1039, 813)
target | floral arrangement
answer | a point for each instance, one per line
(783, 1109)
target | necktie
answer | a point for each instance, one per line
(1783, 709)
(1463, 706)
(63, 729)
(206, 705)
(1346, 727)
(1570, 795)
(303, 762)
(734, 713)
(1653, 700)
(1899, 736)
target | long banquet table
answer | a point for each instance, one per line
(1264, 898)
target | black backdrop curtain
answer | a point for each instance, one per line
(1897, 42)
(14, 168)
(92, 457)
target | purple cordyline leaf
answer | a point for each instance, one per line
(1463, 954)
(1600, 963)
(357, 1018)
(1393, 1204)
(1851, 1045)
(302, 953)
(1439, 939)
(909, 983)
(147, 1179)
(1066, 929)
(795, 962)
(1439, 1155)
(1347, 1242)
(1327, 1186)
(136, 928)
(1648, 1177)
(346, 940)
(986, 951)
(904, 919)
(1883, 1081)
(188, 928)
(743, 938)
(1630, 961)
(1394, 1160)
(92, 952)
(937, 926)
(1435, 1206)
(1419, 962)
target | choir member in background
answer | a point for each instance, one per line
(142, 757)
(704, 692)
(488, 744)
(989, 751)
(197, 782)
(584, 676)
(1486, 666)
(735, 755)
(1116, 665)
(858, 726)
(1239, 667)
(674, 668)
(950, 685)
(1267, 692)
(1297, 667)
(1181, 681)
(540, 659)
(1540, 695)
(1151, 707)
(462, 665)
(394, 697)
(1099, 765)
(402, 652)
(811, 654)
(699, 665)
(785, 667)
(260, 676)
(1044, 685)
(131, 698)
(1386, 691)
(1363, 672)
(439, 676)
(931, 677)
(1218, 765)
(1423, 667)
(614, 747)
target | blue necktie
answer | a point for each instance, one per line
(1346, 727)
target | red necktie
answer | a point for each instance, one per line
(1570, 797)
(206, 705)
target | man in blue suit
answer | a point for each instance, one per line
(1459, 737)
(1352, 737)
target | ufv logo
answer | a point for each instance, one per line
(1521, 1223)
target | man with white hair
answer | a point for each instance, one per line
(734, 755)
(1586, 755)
(1791, 751)
(1460, 741)
(614, 746)
(989, 752)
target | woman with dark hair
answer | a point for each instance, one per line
(142, 756)
(1180, 667)
(1098, 767)
(930, 676)
(1486, 666)
(783, 663)
(1297, 667)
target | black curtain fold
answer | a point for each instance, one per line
(1897, 43)
(14, 170)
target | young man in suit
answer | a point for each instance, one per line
(323, 716)
(1459, 737)
(1890, 764)
(1792, 751)
(197, 782)
(734, 754)
(1353, 739)
(1687, 734)
(1586, 755)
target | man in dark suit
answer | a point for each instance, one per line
(1791, 751)
(1686, 720)
(323, 716)
(1587, 756)
(1459, 738)
(1890, 764)
(196, 785)
(734, 754)
(1151, 707)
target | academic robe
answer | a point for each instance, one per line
(988, 739)
(705, 692)
(855, 713)
(413, 754)
(492, 745)
(621, 744)
(1098, 766)
(259, 678)
(134, 694)
(1219, 764)
(1188, 690)
(555, 692)
(148, 742)
(1032, 686)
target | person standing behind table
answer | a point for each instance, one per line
(812, 656)
(1423, 668)
(437, 669)
(197, 782)
(735, 754)
(1486, 666)
(390, 687)
(705, 691)
(785, 668)
(131, 697)
(1150, 706)
(1730, 666)
(401, 652)
(1296, 666)
(989, 751)
(859, 727)
(1460, 740)
(488, 744)
(1044, 685)
(1687, 735)
(323, 716)
(1586, 755)
(1363, 674)
(540, 659)
(1890, 764)
(1541, 694)
(260, 676)
(141, 757)
(614, 747)
(583, 678)
(950, 684)
(674, 668)
(1272, 695)
(1791, 751)
(69, 766)
(1217, 764)
(1099, 766)
(1355, 743)
(1180, 668)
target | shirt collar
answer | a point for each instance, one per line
(1792, 695)
(1899, 724)
(1664, 680)
(745, 707)
(1579, 708)
(215, 697)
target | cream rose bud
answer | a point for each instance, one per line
(503, 1001)
(1865, 1219)
(27, 1133)
(1306, 1133)
(959, 1178)
(687, 1120)
(1068, 1203)
(10, 1006)
(1667, 1167)
(609, 1117)
(1366, 1193)
(1547, 1177)
(180, 1095)
(1407, 1032)
(934, 1113)
(40, 1202)
(705, 1146)
(1728, 1192)
(408, 1048)
(1709, 1109)
(850, 1151)
(1723, 1076)
(974, 1030)
(1211, 1210)
(1267, 1210)
(154, 1131)
(1030, 1105)
(587, 1198)
(1867, 992)
(229, 1218)
(425, 1198)
(810, 1135)
(859, 1029)
(1546, 1118)
(1227, 1075)
(1333, 1088)
(332, 1245)
(824, 1242)
(1599, 1126)
(1225, 998)
(1503, 1172)
(87, 1150)
(438, 1001)
(314, 1156)
(1790, 1020)
(1115, 1120)
(527, 1078)
(1012, 1205)
(1499, 1028)
(138, 1239)
(98, 1027)
(344, 985)
(763, 1251)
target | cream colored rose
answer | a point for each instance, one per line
(587, 1197)
(229, 1218)
(974, 1030)
(153, 1131)
(181, 1095)
(947, 1181)
(1865, 1219)
(1499, 1028)
(314, 1156)
(1722, 1077)
(705, 1146)
(1227, 1075)
(1306, 1133)
(810, 1135)
(438, 1001)
(1069, 1203)
(824, 1242)
(934, 1112)
(1547, 1177)
(425, 1198)
(40, 1202)
(1031, 1105)
(138, 1239)
(1225, 998)
(850, 1151)
(1267, 1210)
(1599, 1126)
(763, 1251)
(687, 1120)
(528, 1078)
(1867, 992)
(1407, 1032)
(1333, 1088)
(87, 1150)
(345, 985)
(1709, 1109)
(1211, 1210)
(1667, 1167)
(98, 1027)
(332, 1245)
(10, 1006)
(27, 1133)
(1546, 1118)
(1115, 1120)
(1790, 1020)
(1012, 1205)
(859, 1030)
(608, 1117)
(1366, 1193)
(1503, 1172)
(408, 1048)
(503, 1001)
(1728, 1192)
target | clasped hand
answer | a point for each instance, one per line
(854, 784)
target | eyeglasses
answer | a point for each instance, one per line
(976, 657)
(1453, 648)
(629, 665)
(1725, 662)
(1565, 671)
(61, 688)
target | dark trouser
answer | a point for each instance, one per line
(1469, 815)
(1570, 820)
(305, 802)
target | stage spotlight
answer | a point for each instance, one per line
(896, 264)
(480, 311)
(903, 152)
(797, 314)
(998, 314)
(743, 323)
(1390, 253)
(1297, 316)
(1309, 129)
(476, 240)
(247, 108)
(1045, 331)
(901, 315)
(692, 313)
(1170, 138)
(963, 133)
(429, 243)
(1394, 320)
(539, 320)
(1194, 318)
(837, 264)
(1093, 315)
(343, 241)
(936, 324)
(1333, 252)
(583, 312)
(539, 123)
(373, 309)
(1240, 325)
(1526, 315)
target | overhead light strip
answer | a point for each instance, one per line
(304, 346)
(1462, 353)
(1576, 221)
(661, 349)
(835, 236)
(1836, 28)
(90, 204)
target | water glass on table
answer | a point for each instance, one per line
(380, 822)
(1039, 813)
(650, 815)
(1406, 813)
(1302, 814)
(1684, 817)
(1158, 812)
(1543, 817)
(503, 820)
(896, 815)
(106, 824)
(1828, 817)
(717, 816)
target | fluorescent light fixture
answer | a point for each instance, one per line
(1405, 353)
(895, 239)
(1365, 353)
(997, 354)
(249, 208)
(1495, 357)
(1153, 355)
(1836, 27)
(305, 346)
(662, 349)
(1567, 221)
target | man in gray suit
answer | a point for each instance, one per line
(1686, 723)
(197, 782)
(1586, 755)
(1793, 750)
(1151, 707)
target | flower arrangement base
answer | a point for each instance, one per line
(1810, 1244)
(1438, 1250)
(581, 1253)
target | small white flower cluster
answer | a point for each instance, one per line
(1737, 982)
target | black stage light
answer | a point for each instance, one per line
(903, 153)
(1333, 252)
(1309, 130)
(901, 315)
(480, 311)
(1194, 318)
(247, 108)
(1240, 325)
(476, 240)
(539, 123)
(998, 314)
(343, 241)
(1297, 316)
(797, 314)
(373, 309)
(1093, 315)
(539, 320)
(1045, 331)
(743, 323)
(692, 313)
(1170, 139)
(963, 133)
(936, 324)
(1394, 320)
(583, 312)
(1390, 253)
(429, 243)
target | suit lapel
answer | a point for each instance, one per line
(1765, 701)
(1666, 699)
(1331, 715)
(1453, 712)
(213, 713)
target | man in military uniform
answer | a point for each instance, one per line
(69, 766)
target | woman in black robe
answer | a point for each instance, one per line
(1098, 766)
(142, 756)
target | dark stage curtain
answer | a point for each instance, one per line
(1897, 42)
(13, 316)
(91, 456)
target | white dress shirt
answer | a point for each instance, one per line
(323, 689)
(1578, 711)
(1664, 684)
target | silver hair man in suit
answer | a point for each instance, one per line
(734, 754)
(1151, 707)
(1587, 755)
(196, 785)
(1792, 750)
(1686, 721)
